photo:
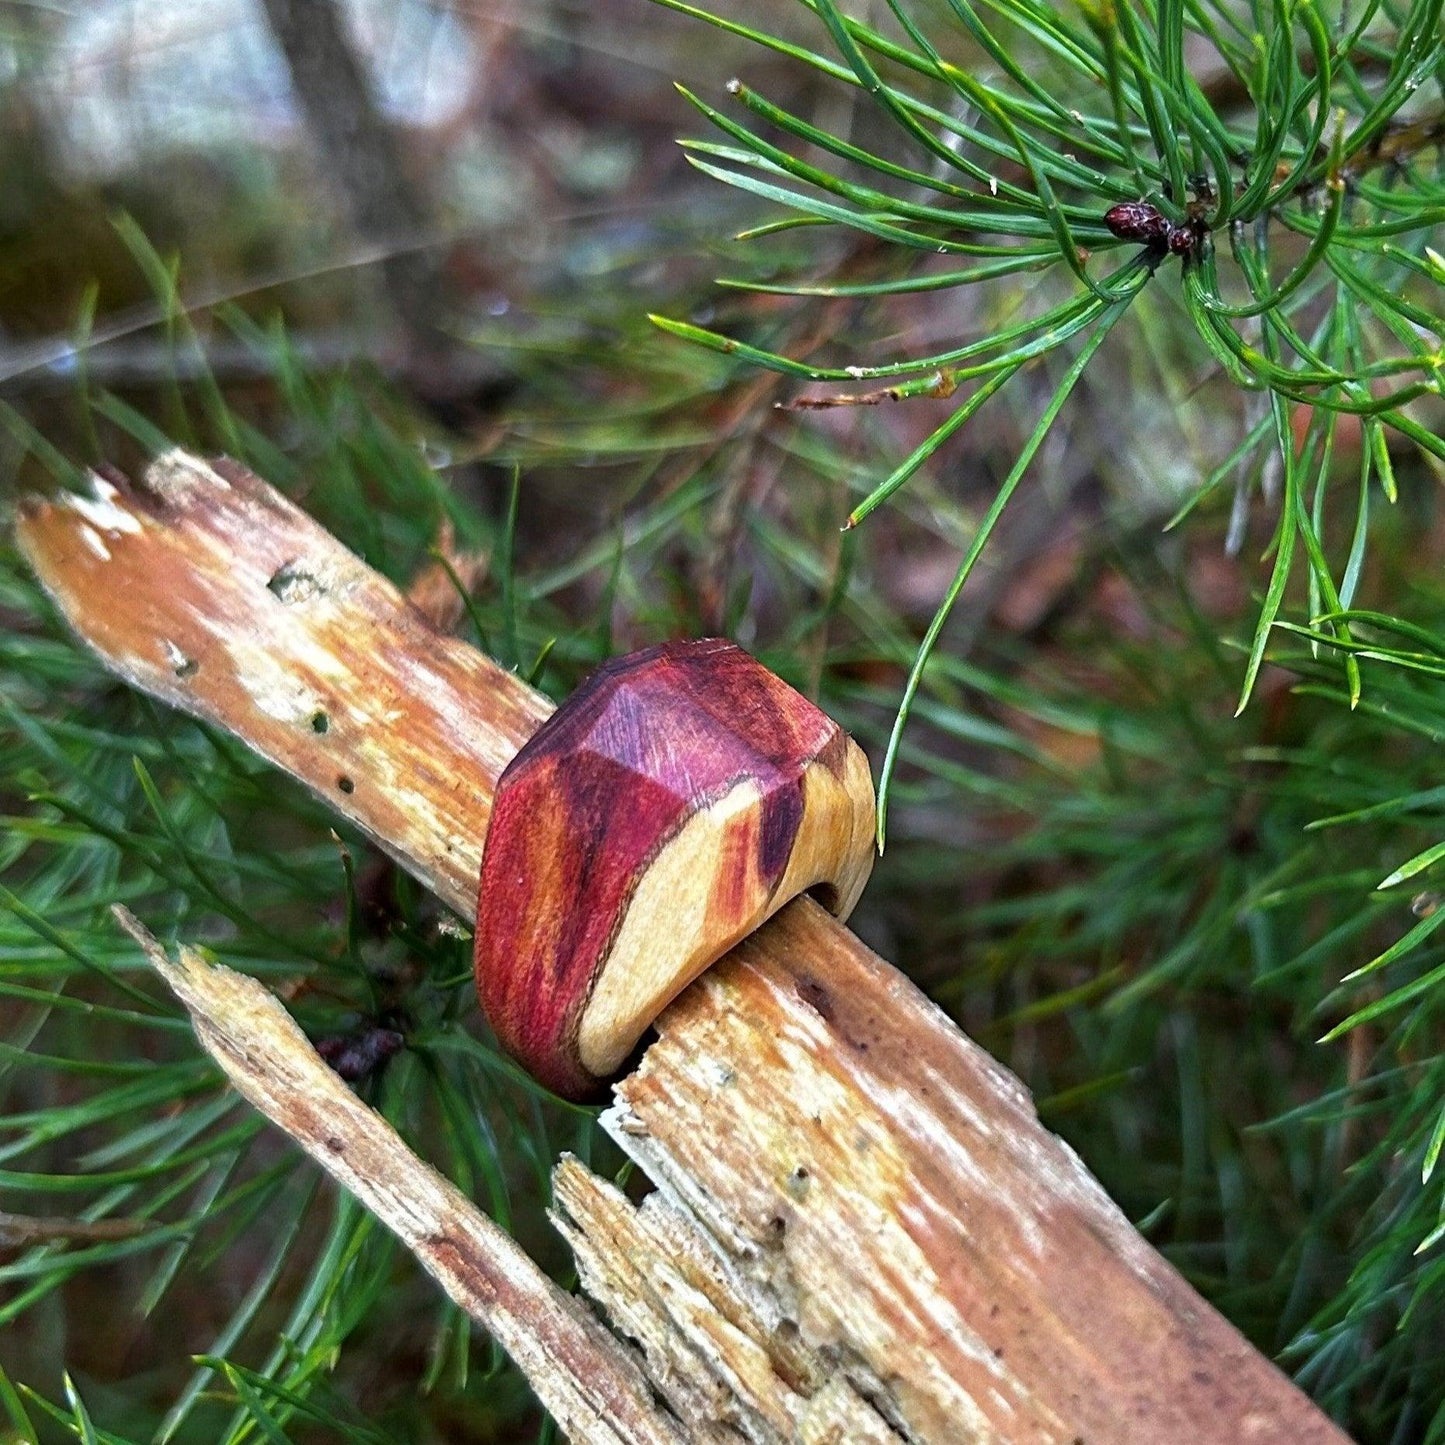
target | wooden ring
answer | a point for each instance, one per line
(678, 799)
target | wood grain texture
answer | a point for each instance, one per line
(206, 588)
(878, 1186)
(888, 1186)
(714, 1341)
(681, 796)
(587, 1382)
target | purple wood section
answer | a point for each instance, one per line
(647, 741)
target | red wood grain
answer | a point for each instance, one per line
(644, 744)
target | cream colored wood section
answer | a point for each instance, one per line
(835, 844)
(701, 894)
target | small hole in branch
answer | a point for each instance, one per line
(293, 583)
(346, 785)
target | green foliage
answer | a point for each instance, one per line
(1023, 123)
(1195, 863)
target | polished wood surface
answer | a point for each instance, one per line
(679, 798)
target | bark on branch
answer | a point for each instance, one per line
(860, 1230)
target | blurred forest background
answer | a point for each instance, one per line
(399, 255)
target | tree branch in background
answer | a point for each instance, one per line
(360, 155)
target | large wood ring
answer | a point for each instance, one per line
(678, 799)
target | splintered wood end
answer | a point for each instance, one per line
(204, 587)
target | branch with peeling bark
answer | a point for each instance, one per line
(591, 1388)
(860, 1230)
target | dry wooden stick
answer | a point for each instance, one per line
(861, 1230)
(585, 1380)
(209, 590)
